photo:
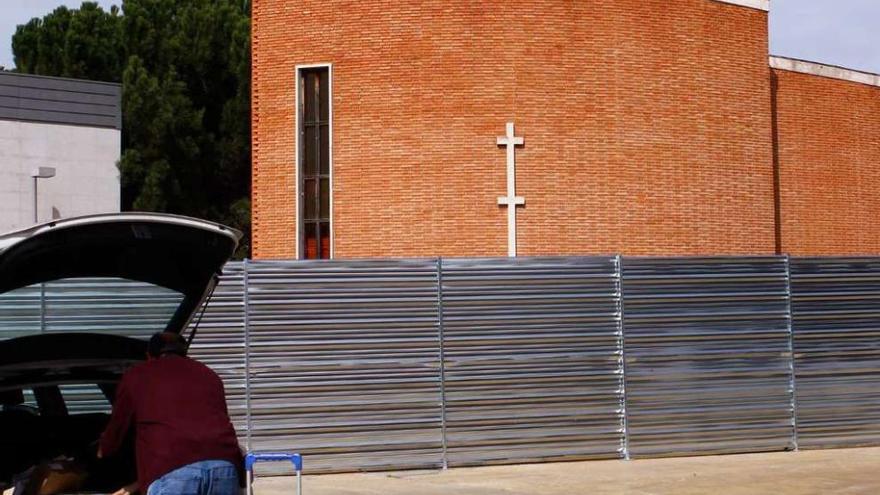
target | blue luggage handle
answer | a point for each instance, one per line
(254, 457)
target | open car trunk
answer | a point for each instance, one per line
(178, 253)
(42, 376)
(46, 374)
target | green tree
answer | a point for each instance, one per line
(185, 74)
(79, 43)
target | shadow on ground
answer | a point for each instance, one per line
(841, 471)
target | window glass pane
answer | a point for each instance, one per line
(81, 399)
(310, 250)
(325, 198)
(314, 163)
(325, 150)
(29, 399)
(325, 240)
(310, 151)
(324, 94)
(310, 199)
(309, 85)
(93, 305)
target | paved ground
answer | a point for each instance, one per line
(839, 472)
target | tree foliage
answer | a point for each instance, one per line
(185, 73)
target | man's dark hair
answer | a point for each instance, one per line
(166, 343)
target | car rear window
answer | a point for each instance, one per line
(79, 398)
(93, 305)
(84, 399)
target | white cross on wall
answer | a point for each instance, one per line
(511, 200)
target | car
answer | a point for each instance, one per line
(56, 384)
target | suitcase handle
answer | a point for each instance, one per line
(254, 457)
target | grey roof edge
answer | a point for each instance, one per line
(55, 78)
(752, 4)
(824, 70)
(59, 100)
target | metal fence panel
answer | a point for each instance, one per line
(344, 362)
(220, 341)
(345, 356)
(531, 359)
(707, 358)
(836, 319)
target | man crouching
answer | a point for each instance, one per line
(185, 443)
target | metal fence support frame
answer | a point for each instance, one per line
(442, 358)
(247, 351)
(792, 367)
(621, 346)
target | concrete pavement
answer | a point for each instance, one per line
(840, 472)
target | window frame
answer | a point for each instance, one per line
(300, 150)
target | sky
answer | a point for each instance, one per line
(837, 32)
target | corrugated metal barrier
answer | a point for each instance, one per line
(344, 362)
(397, 364)
(836, 309)
(707, 355)
(531, 359)
(220, 340)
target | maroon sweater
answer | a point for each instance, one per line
(178, 410)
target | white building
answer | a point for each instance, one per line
(71, 126)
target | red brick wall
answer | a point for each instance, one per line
(647, 125)
(829, 165)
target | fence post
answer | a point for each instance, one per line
(792, 368)
(442, 357)
(247, 351)
(621, 349)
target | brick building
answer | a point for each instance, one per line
(649, 127)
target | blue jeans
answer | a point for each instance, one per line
(198, 478)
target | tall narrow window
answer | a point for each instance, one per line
(314, 163)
